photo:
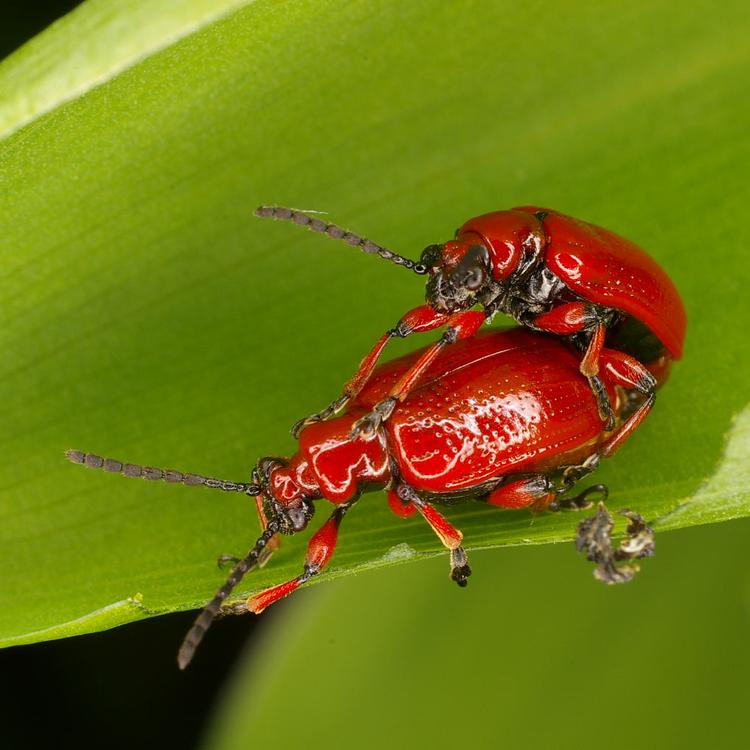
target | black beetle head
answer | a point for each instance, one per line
(294, 518)
(459, 272)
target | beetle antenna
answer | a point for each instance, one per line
(338, 233)
(92, 461)
(206, 617)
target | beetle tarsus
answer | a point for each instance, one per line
(594, 537)
(223, 560)
(235, 608)
(606, 412)
(581, 500)
(460, 570)
(321, 416)
(573, 474)
(368, 425)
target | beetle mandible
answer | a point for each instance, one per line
(505, 416)
(548, 271)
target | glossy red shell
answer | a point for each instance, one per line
(338, 465)
(505, 234)
(609, 270)
(499, 403)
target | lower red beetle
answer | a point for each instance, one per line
(504, 416)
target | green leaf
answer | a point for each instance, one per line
(90, 46)
(148, 316)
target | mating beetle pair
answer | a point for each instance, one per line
(505, 415)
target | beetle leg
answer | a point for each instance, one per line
(402, 508)
(590, 369)
(573, 474)
(418, 320)
(606, 413)
(581, 500)
(462, 325)
(539, 492)
(535, 490)
(324, 414)
(628, 373)
(578, 317)
(320, 550)
(448, 534)
(224, 560)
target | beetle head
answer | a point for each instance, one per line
(481, 261)
(459, 272)
(294, 517)
(478, 266)
(291, 515)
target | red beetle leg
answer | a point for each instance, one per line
(536, 491)
(418, 320)
(590, 368)
(448, 534)
(630, 374)
(590, 361)
(577, 317)
(572, 318)
(566, 319)
(461, 325)
(399, 507)
(320, 550)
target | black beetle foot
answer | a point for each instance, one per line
(460, 570)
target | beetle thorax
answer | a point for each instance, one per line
(529, 294)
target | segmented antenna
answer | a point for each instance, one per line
(92, 461)
(206, 617)
(338, 233)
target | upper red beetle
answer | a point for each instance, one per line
(548, 271)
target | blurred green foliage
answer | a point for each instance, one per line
(531, 655)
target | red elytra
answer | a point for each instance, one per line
(598, 265)
(550, 272)
(505, 416)
(500, 403)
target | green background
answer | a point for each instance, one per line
(147, 315)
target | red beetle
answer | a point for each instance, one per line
(505, 416)
(551, 273)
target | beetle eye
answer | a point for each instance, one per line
(432, 256)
